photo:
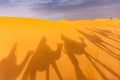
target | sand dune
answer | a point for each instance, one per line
(91, 49)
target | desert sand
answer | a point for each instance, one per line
(91, 49)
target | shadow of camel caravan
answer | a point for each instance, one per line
(97, 41)
(86, 48)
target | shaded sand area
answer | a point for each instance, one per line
(59, 50)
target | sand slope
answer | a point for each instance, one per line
(92, 53)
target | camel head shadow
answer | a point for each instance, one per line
(73, 47)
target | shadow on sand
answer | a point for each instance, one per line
(73, 47)
(105, 33)
(9, 70)
(43, 57)
(97, 41)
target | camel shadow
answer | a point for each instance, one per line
(71, 49)
(97, 41)
(43, 57)
(9, 70)
(104, 33)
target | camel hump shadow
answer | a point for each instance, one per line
(44, 55)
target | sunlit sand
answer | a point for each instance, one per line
(91, 48)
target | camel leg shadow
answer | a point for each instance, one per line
(79, 73)
(98, 70)
(57, 70)
(47, 74)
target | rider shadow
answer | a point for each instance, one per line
(97, 41)
(43, 57)
(99, 62)
(104, 33)
(72, 47)
(9, 70)
(90, 58)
